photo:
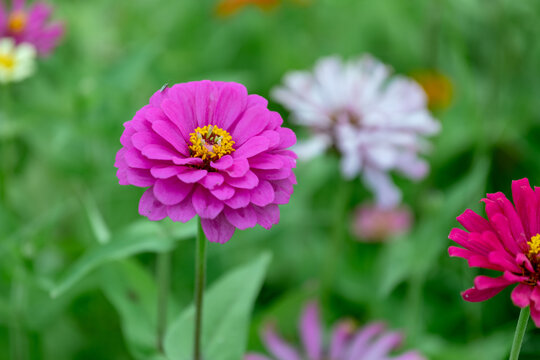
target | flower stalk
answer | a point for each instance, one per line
(520, 332)
(200, 275)
(163, 278)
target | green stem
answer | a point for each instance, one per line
(335, 245)
(163, 278)
(520, 332)
(200, 275)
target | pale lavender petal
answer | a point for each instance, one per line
(278, 347)
(383, 346)
(252, 356)
(311, 331)
(360, 343)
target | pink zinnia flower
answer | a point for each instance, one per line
(371, 342)
(372, 223)
(209, 149)
(376, 121)
(30, 25)
(508, 241)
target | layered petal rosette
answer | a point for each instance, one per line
(376, 121)
(371, 342)
(209, 149)
(30, 24)
(507, 241)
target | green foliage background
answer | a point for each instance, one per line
(68, 229)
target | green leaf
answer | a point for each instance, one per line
(227, 308)
(132, 291)
(141, 236)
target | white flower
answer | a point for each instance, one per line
(375, 120)
(17, 62)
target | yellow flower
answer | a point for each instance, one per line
(438, 88)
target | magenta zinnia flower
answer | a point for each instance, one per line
(209, 149)
(30, 25)
(371, 342)
(508, 241)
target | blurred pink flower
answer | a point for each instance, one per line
(29, 25)
(508, 241)
(372, 223)
(371, 342)
(376, 122)
(208, 148)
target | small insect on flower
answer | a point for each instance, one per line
(209, 149)
(507, 241)
(376, 121)
(347, 342)
(17, 62)
(28, 24)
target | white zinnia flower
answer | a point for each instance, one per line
(17, 62)
(375, 120)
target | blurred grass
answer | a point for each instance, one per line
(60, 132)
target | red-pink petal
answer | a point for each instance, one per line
(521, 295)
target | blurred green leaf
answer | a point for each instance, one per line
(141, 236)
(227, 309)
(132, 291)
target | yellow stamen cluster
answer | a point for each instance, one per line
(17, 22)
(210, 143)
(534, 245)
(7, 61)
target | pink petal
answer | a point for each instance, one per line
(248, 181)
(232, 101)
(265, 161)
(190, 175)
(263, 194)
(252, 147)
(172, 135)
(252, 122)
(223, 163)
(238, 169)
(150, 207)
(217, 230)
(223, 192)
(288, 138)
(242, 218)
(240, 199)
(165, 171)
(182, 212)
(473, 222)
(521, 295)
(205, 204)
(212, 180)
(267, 216)
(139, 177)
(171, 191)
(311, 332)
(158, 152)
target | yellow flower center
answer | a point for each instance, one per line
(534, 245)
(17, 22)
(210, 143)
(7, 61)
